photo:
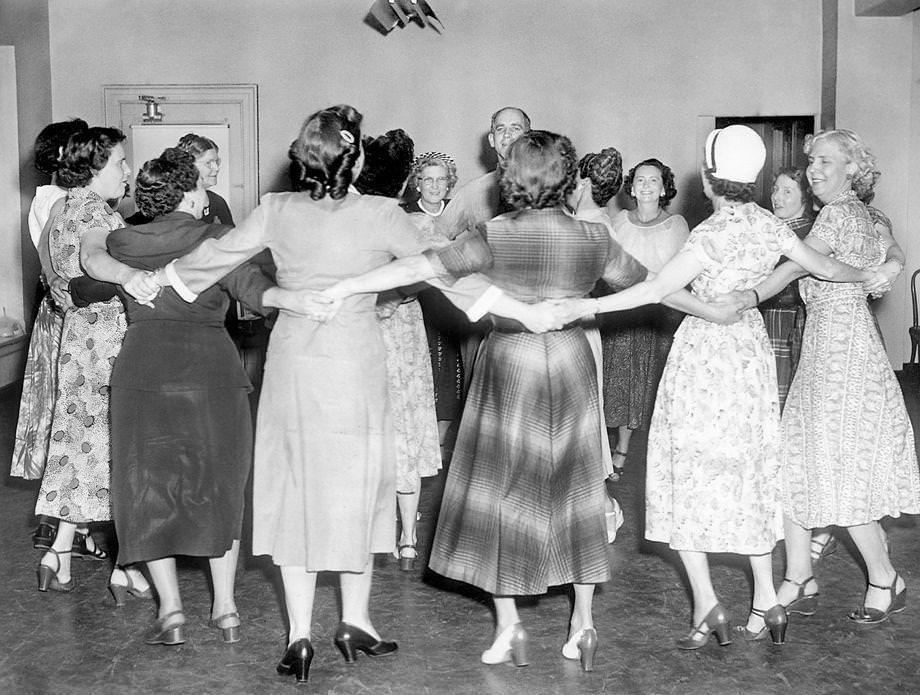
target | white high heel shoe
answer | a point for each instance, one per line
(510, 645)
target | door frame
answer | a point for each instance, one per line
(123, 107)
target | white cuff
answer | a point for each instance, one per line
(176, 283)
(482, 305)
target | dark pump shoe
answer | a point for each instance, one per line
(296, 660)
(350, 640)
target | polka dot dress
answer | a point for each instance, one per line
(75, 485)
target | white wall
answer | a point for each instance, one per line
(876, 97)
(605, 72)
(11, 291)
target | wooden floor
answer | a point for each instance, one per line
(82, 643)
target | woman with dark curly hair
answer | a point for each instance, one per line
(39, 388)
(324, 470)
(848, 446)
(636, 343)
(387, 161)
(75, 486)
(181, 426)
(714, 453)
(523, 505)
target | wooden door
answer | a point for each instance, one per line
(181, 109)
(784, 138)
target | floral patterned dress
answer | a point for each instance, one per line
(75, 485)
(714, 450)
(848, 446)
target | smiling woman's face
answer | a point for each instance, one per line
(208, 166)
(647, 185)
(828, 170)
(433, 183)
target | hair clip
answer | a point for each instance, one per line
(347, 137)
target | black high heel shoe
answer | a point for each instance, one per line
(48, 578)
(81, 547)
(716, 622)
(296, 660)
(803, 604)
(350, 640)
(873, 616)
(120, 591)
(775, 621)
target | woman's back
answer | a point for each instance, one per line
(544, 254)
(739, 245)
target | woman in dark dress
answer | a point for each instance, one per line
(181, 425)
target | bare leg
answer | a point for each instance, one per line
(63, 542)
(407, 502)
(868, 539)
(764, 592)
(704, 596)
(582, 616)
(506, 613)
(299, 591)
(223, 575)
(166, 581)
(798, 562)
(624, 434)
(356, 597)
(129, 575)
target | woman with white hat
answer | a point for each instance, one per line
(714, 451)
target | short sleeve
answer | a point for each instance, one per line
(468, 253)
(702, 245)
(826, 226)
(622, 270)
(785, 237)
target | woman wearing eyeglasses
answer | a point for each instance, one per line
(431, 178)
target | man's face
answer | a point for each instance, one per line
(509, 126)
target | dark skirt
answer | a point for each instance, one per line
(635, 347)
(523, 505)
(444, 331)
(180, 461)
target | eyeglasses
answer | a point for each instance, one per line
(441, 180)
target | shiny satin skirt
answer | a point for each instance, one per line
(180, 461)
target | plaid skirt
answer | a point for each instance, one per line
(785, 326)
(523, 506)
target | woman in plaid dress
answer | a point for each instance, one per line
(784, 314)
(523, 506)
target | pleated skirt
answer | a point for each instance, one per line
(523, 506)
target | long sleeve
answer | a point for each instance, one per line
(247, 284)
(214, 258)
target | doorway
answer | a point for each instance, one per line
(784, 138)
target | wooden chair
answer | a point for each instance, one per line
(914, 330)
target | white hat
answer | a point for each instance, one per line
(735, 153)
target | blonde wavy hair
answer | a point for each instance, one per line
(855, 150)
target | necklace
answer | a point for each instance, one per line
(640, 221)
(431, 214)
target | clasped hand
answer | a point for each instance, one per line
(143, 286)
(882, 280)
